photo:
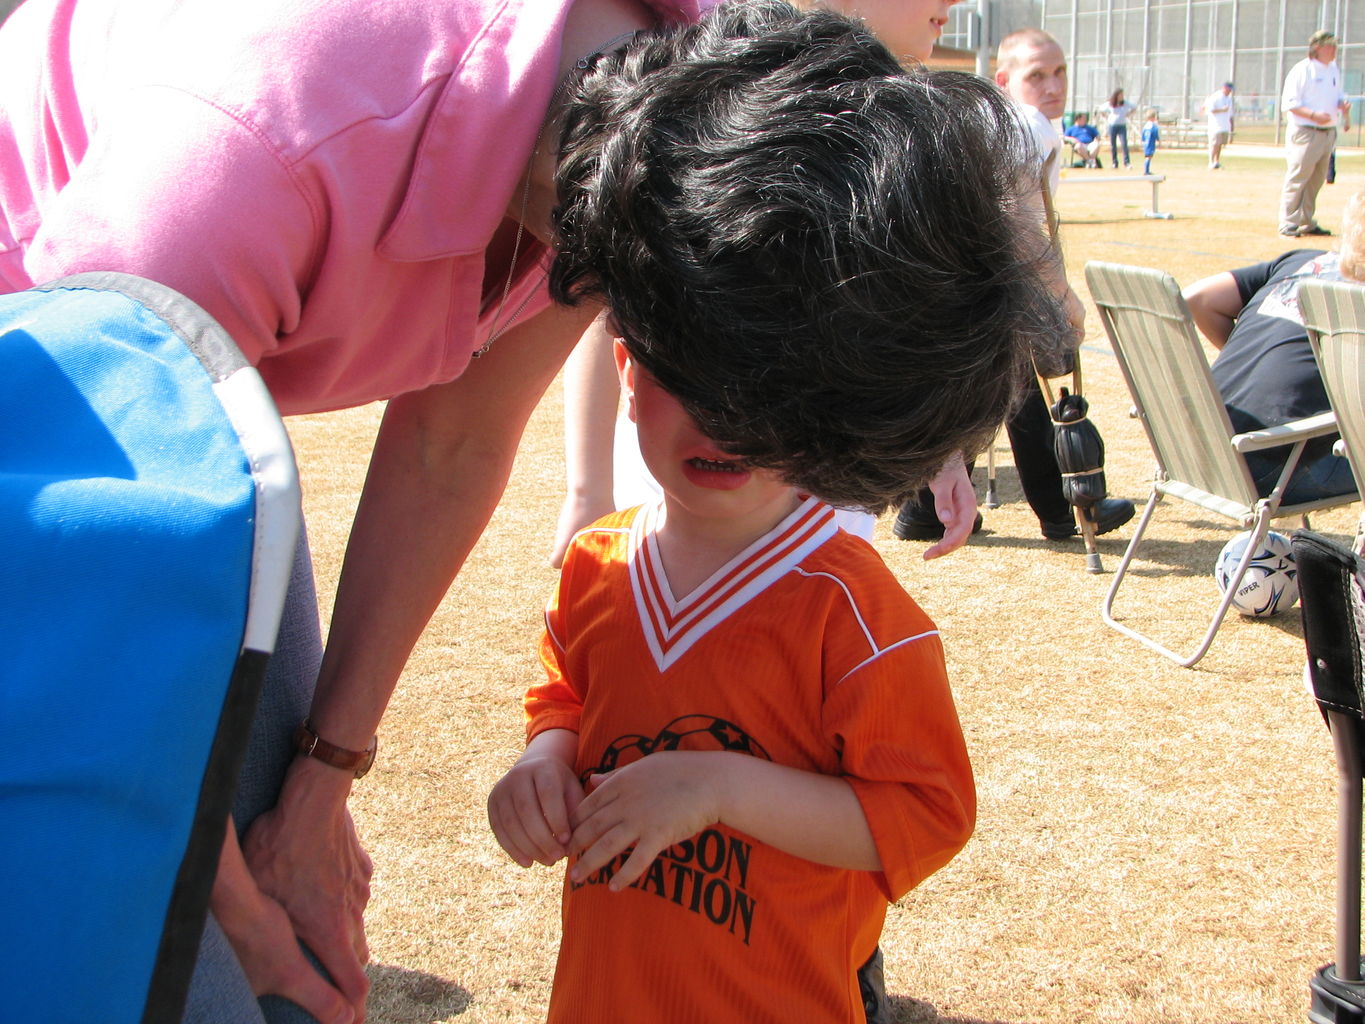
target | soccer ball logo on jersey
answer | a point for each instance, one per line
(689, 732)
(708, 874)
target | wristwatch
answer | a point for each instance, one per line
(309, 744)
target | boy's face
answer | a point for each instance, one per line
(1037, 77)
(908, 28)
(692, 470)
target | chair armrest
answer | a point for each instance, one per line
(1286, 433)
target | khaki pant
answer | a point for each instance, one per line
(1307, 154)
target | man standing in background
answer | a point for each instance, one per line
(1219, 107)
(1031, 70)
(1316, 105)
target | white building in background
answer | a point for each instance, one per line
(1171, 54)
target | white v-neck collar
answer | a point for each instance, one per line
(671, 626)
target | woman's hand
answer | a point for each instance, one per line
(263, 939)
(1075, 313)
(305, 855)
(955, 505)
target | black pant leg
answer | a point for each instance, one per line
(1030, 433)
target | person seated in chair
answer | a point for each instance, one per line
(1265, 369)
(1084, 140)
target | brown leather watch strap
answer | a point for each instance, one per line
(309, 744)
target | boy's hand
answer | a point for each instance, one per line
(531, 807)
(649, 804)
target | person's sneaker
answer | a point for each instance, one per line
(1313, 229)
(912, 524)
(1110, 514)
(1290, 232)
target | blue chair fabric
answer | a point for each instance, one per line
(148, 511)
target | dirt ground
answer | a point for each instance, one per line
(1154, 844)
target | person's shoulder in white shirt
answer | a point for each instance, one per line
(1046, 140)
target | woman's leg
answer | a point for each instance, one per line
(219, 992)
(285, 697)
(1031, 439)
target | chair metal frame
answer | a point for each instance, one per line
(1199, 458)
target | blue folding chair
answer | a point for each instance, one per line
(149, 509)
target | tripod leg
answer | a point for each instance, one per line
(992, 500)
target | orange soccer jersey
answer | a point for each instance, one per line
(805, 650)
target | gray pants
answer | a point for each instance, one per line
(219, 993)
(1307, 153)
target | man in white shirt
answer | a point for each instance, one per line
(1031, 70)
(1316, 104)
(1219, 107)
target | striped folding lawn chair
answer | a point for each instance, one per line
(149, 509)
(1334, 313)
(1198, 457)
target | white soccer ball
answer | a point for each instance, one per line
(1271, 582)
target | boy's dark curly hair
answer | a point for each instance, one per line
(824, 256)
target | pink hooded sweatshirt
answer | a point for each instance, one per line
(322, 176)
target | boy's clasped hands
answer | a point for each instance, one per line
(540, 812)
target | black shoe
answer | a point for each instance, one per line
(911, 524)
(1110, 514)
(872, 987)
(1313, 229)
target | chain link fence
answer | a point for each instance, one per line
(1172, 54)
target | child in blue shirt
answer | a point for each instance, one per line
(1151, 138)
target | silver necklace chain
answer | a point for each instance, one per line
(499, 325)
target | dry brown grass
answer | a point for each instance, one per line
(1154, 844)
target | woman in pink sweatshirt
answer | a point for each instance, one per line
(371, 198)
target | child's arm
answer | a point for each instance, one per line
(666, 797)
(532, 805)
